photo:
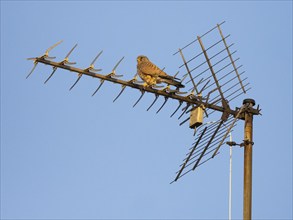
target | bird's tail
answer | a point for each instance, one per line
(173, 82)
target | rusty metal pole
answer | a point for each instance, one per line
(248, 144)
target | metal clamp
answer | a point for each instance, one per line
(246, 142)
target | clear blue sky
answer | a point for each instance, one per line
(66, 155)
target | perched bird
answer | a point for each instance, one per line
(152, 75)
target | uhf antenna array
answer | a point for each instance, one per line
(212, 77)
(221, 80)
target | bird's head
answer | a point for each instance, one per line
(141, 58)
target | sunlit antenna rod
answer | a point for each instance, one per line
(208, 135)
(90, 68)
(211, 68)
(122, 90)
(225, 104)
(180, 103)
(35, 65)
(210, 141)
(167, 89)
(200, 36)
(188, 171)
(215, 64)
(64, 62)
(215, 101)
(230, 56)
(184, 110)
(134, 80)
(109, 76)
(188, 71)
(207, 145)
(228, 131)
(194, 89)
(140, 97)
(208, 125)
(210, 47)
(44, 56)
(187, 159)
(212, 57)
(210, 132)
(165, 101)
(221, 78)
(156, 98)
(195, 160)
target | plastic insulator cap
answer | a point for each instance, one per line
(249, 101)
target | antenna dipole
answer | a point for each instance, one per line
(173, 95)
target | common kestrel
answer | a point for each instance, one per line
(152, 75)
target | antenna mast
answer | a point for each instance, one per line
(248, 143)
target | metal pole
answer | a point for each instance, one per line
(247, 193)
(230, 181)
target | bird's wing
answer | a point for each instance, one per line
(151, 69)
(165, 76)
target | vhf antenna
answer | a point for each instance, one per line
(213, 78)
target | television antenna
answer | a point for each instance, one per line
(210, 89)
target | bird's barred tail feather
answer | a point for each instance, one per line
(173, 82)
